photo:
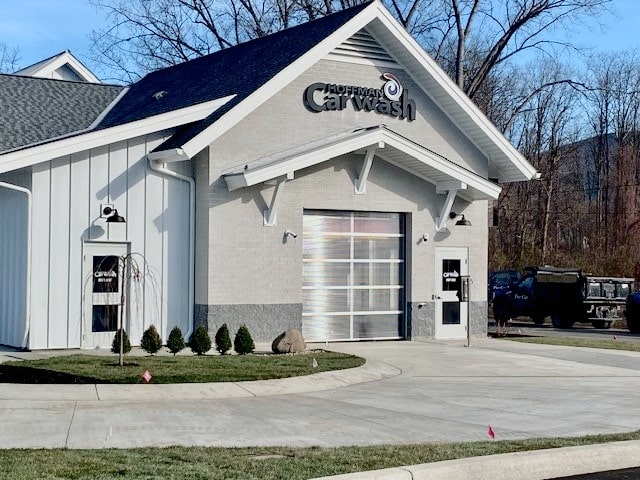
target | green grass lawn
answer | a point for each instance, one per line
(169, 369)
(610, 344)
(254, 463)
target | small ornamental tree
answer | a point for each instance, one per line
(175, 342)
(126, 345)
(200, 341)
(243, 343)
(151, 341)
(223, 340)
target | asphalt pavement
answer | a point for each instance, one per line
(408, 392)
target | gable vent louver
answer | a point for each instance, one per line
(362, 48)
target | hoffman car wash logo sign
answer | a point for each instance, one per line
(391, 99)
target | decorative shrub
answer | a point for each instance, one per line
(175, 342)
(243, 343)
(200, 341)
(151, 341)
(223, 340)
(126, 344)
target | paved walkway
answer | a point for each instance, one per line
(408, 392)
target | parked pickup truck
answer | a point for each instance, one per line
(564, 294)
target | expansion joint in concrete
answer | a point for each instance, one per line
(239, 384)
(73, 414)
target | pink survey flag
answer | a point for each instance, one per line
(491, 433)
(146, 376)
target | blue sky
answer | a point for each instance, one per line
(41, 28)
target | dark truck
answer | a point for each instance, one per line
(564, 294)
(633, 311)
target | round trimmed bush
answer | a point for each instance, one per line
(243, 343)
(223, 340)
(151, 341)
(175, 342)
(126, 344)
(200, 341)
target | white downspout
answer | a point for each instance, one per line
(158, 166)
(27, 322)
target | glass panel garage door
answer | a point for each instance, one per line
(353, 276)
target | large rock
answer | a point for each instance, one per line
(290, 341)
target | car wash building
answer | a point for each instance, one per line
(329, 177)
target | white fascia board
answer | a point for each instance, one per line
(45, 68)
(253, 176)
(453, 171)
(236, 181)
(74, 63)
(168, 156)
(457, 95)
(77, 143)
(279, 81)
(299, 162)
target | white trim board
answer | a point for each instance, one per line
(413, 158)
(96, 138)
(45, 68)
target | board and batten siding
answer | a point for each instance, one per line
(67, 195)
(13, 258)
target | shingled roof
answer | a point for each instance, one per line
(239, 70)
(39, 109)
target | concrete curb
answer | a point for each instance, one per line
(531, 465)
(370, 371)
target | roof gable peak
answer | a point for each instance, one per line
(62, 66)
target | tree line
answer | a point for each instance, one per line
(583, 135)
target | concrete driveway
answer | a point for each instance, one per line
(409, 392)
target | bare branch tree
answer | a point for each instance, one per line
(496, 31)
(9, 58)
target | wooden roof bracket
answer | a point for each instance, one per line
(270, 214)
(451, 189)
(361, 181)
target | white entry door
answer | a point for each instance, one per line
(103, 281)
(451, 313)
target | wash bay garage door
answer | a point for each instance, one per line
(353, 276)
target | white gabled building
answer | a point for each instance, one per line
(316, 178)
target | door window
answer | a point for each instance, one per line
(105, 274)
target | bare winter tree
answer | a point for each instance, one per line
(497, 31)
(474, 39)
(144, 35)
(470, 38)
(538, 218)
(9, 58)
(613, 112)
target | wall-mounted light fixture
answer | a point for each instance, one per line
(112, 215)
(463, 222)
(425, 237)
(289, 233)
